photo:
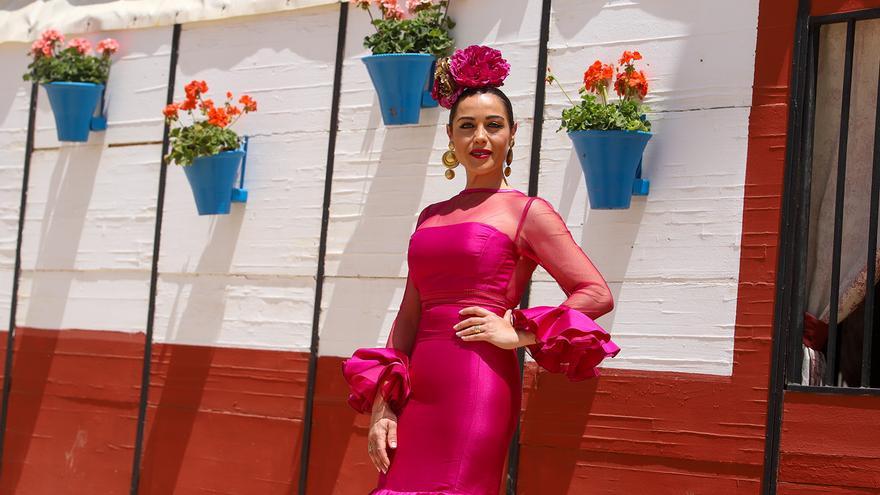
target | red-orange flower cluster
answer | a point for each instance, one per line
(249, 104)
(629, 57)
(218, 115)
(170, 111)
(598, 76)
(630, 83)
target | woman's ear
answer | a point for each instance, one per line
(449, 131)
(513, 129)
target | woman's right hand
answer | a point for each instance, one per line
(382, 435)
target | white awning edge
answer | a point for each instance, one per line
(26, 23)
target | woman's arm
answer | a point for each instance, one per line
(403, 330)
(567, 339)
(547, 240)
(383, 372)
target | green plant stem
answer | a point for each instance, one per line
(563, 90)
(372, 21)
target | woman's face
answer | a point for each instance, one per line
(481, 134)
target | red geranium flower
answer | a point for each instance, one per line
(170, 111)
(598, 76)
(188, 104)
(195, 88)
(218, 117)
(249, 104)
(628, 57)
(631, 84)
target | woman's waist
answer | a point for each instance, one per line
(437, 319)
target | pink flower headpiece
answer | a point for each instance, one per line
(476, 66)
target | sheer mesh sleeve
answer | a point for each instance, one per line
(385, 370)
(568, 340)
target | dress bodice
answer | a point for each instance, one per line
(464, 261)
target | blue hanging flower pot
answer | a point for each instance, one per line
(612, 165)
(403, 82)
(73, 104)
(212, 180)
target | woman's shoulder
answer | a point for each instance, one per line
(538, 203)
(429, 210)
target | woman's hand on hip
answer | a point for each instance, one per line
(482, 324)
(382, 435)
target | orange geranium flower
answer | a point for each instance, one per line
(628, 57)
(598, 76)
(195, 88)
(206, 104)
(631, 83)
(249, 104)
(218, 117)
(170, 111)
(187, 104)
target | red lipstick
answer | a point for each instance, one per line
(481, 153)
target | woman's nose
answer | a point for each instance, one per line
(480, 134)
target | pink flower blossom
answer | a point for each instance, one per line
(395, 13)
(52, 36)
(477, 66)
(82, 45)
(364, 4)
(417, 5)
(108, 46)
(40, 47)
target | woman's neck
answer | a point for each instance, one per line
(487, 183)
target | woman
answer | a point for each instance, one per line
(445, 391)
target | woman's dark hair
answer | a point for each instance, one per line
(485, 89)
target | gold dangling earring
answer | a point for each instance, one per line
(450, 161)
(509, 159)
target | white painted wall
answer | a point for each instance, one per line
(87, 244)
(672, 259)
(247, 279)
(14, 107)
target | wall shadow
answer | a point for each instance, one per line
(186, 367)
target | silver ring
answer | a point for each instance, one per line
(478, 328)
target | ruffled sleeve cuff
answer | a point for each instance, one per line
(369, 367)
(567, 341)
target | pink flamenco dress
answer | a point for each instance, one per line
(458, 401)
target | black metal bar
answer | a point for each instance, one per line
(802, 150)
(832, 360)
(870, 292)
(10, 336)
(154, 273)
(787, 265)
(858, 15)
(322, 250)
(534, 167)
